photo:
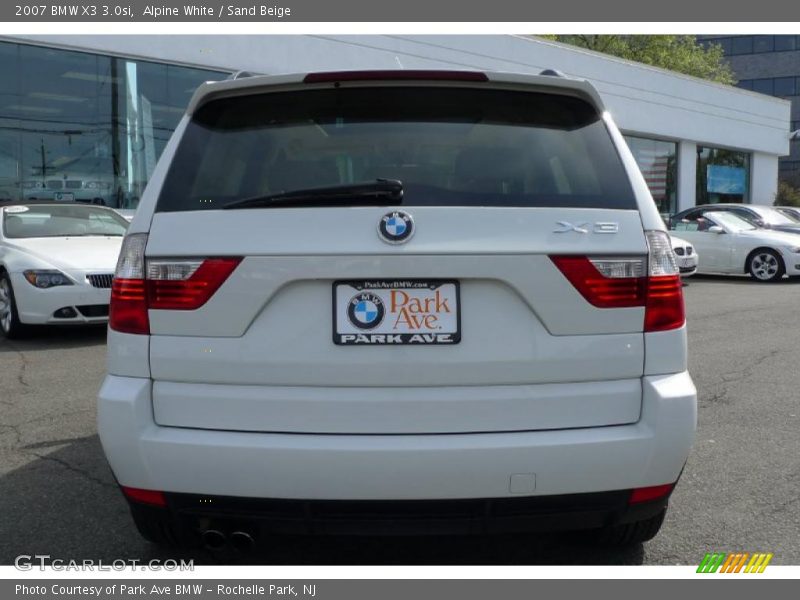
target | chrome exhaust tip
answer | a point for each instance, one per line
(242, 541)
(213, 539)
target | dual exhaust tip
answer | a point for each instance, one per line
(241, 541)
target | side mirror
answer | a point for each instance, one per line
(716, 229)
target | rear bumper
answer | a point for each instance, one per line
(397, 467)
(187, 515)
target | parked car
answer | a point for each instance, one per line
(396, 302)
(89, 180)
(56, 264)
(759, 215)
(729, 244)
(686, 256)
(793, 212)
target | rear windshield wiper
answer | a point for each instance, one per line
(379, 191)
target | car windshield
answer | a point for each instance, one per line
(773, 216)
(68, 220)
(446, 146)
(792, 213)
(729, 221)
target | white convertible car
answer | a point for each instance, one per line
(729, 244)
(56, 263)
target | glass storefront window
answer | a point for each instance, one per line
(784, 43)
(785, 86)
(742, 45)
(763, 43)
(764, 86)
(658, 163)
(76, 126)
(722, 175)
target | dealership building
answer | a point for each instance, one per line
(85, 117)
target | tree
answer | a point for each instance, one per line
(681, 53)
(787, 195)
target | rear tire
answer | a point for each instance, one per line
(10, 326)
(628, 534)
(765, 265)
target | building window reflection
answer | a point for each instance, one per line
(77, 126)
(657, 161)
(722, 175)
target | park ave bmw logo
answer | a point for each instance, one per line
(396, 227)
(365, 310)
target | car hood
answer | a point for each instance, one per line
(73, 253)
(678, 242)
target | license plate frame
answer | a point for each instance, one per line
(443, 294)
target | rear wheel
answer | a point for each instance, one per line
(10, 325)
(765, 265)
(630, 533)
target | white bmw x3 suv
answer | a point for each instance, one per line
(396, 302)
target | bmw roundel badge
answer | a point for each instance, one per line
(396, 227)
(365, 310)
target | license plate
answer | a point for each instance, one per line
(394, 312)
(64, 197)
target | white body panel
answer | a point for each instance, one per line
(479, 465)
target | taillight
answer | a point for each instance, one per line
(652, 282)
(128, 309)
(163, 284)
(606, 282)
(664, 309)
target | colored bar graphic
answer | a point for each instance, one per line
(711, 562)
(734, 562)
(741, 562)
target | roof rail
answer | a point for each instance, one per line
(552, 73)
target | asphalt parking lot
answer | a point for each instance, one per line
(739, 490)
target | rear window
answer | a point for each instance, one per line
(448, 146)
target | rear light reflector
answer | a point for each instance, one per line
(651, 282)
(397, 75)
(152, 497)
(164, 284)
(646, 494)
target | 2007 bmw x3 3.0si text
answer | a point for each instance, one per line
(396, 302)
